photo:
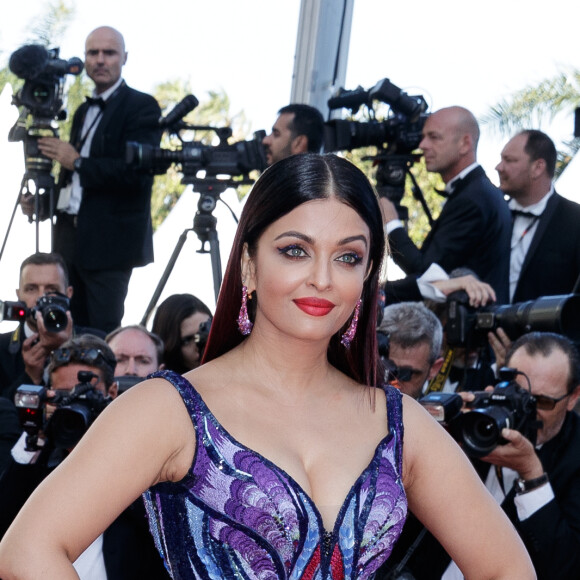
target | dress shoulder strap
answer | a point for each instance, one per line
(191, 398)
(395, 418)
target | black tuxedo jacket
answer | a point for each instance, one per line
(114, 230)
(9, 431)
(552, 534)
(12, 373)
(552, 264)
(473, 231)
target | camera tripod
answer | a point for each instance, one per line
(44, 188)
(390, 177)
(38, 171)
(204, 225)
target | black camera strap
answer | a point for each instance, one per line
(101, 103)
(79, 146)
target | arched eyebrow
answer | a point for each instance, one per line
(353, 239)
(309, 240)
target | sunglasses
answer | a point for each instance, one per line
(405, 374)
(546, 403)
(90, 356)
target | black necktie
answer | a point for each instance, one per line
(98, 101)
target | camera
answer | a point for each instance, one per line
(223, 159)
(479, 429)
(75, 412)
(231, 159)
(125, 382)
(396, 137)
(202, 335)
(402, 131)
(468, 326)
(43, 72)
(40, 101)
(52, 306)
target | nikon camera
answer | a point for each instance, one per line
(479, 429)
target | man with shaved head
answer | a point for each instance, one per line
(103, 207)
(474, 228)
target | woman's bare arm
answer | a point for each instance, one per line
(143, 437)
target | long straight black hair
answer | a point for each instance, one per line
(280, 189)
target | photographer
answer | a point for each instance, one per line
(298, 129)
(539, 487)
(415, 338)
(24, 352)
(473, 229)
(103, 213)
(125, 550)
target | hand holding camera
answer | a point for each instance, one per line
(518, 454)
(58, 150)
(478, 420)
(51, 318)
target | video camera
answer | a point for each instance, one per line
(41, 99)
(201, 336)
(468, 326)
(223, 159)
(52, 306)
(395, 137)
(479, 430)
(75, 412)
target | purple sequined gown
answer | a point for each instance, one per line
(237, 515)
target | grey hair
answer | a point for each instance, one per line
(411, 323)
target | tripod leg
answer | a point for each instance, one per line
(11, 220)
(37, 224)
(164, 277)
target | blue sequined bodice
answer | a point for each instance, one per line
(237, 515)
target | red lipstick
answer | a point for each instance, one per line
(314, 306)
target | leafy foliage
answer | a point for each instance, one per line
(533, 105)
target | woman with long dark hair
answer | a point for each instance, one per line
(282, 455)
(178, 321)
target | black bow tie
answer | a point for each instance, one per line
(98, 101)
(526, 214)
(450, 190)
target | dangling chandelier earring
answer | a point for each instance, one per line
(244, 323)
(348, 336)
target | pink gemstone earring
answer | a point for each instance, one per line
(348, 336)
(244, 323)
